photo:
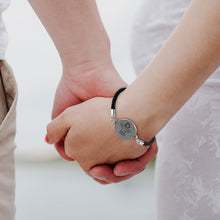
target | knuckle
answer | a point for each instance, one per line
(83, 165)
(65, 116)
(69, 146)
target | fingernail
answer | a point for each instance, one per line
(123, 174)
(100, 177)
(47, 139)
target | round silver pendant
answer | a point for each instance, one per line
(125, 129)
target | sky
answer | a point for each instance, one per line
(37, 66)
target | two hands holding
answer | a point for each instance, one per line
(84, 131)
(81, 128)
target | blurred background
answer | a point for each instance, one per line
(48, 187)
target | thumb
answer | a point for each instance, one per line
(64, 98)
(58, 128)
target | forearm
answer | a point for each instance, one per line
(188, 58)
(76, 29)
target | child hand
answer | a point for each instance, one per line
(89, 135)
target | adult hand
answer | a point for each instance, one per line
(89, 136)
(123, 170)
(81, 83)
(84, 82)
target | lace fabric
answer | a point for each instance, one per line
(188, 162)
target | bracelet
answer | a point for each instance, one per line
(125, 128)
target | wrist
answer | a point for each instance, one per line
(90, 65)
(93, 79)
(130, 106)
(91, 51)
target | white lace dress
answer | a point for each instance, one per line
(188, 162)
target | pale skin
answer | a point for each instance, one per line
(188, 58)
(84, 49)
(89, 135)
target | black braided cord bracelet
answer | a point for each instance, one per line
(125, 128)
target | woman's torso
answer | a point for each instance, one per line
(155, 21)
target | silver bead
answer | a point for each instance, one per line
(138, 141)
(113, 116)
